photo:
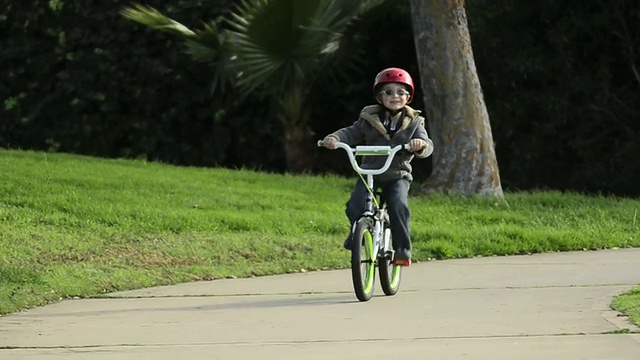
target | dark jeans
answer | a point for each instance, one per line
(395, 194)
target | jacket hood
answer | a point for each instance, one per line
(372, 113)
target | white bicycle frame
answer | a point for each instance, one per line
(380, 240)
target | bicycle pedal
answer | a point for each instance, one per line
(402, 262)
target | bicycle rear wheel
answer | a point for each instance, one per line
(363, 260)
(390, 275)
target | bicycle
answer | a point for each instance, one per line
(371, 233)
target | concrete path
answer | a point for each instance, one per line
(547, 306)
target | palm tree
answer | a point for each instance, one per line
(275, 47)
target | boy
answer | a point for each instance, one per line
(391, 122)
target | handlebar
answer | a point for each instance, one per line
(369, 150)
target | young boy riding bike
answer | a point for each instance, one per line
(390, 122)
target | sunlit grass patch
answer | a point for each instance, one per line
(81, 226)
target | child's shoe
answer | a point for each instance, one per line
(348, 243)
(402, 257)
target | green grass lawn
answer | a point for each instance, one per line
(629, 304)
(81, 226)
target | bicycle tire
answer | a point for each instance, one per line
(363, 261)
(390, 275)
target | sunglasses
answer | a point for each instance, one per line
(390, 92)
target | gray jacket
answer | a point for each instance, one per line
(369, 130)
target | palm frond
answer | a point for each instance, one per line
(334, 18)
(207, 44)
(281, 42)
(278, 45)
(154, 19)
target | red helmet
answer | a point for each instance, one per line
(393, 75)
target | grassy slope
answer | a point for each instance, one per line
(79, 226)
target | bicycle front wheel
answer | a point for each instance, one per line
(363, 260)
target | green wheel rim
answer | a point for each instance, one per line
(395, 276)
(369, 262)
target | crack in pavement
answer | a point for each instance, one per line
(319, 341)
(124, 297)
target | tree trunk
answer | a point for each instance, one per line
(298, 147)
(464, 160)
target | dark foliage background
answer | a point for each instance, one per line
(562, 87)
(560, 79)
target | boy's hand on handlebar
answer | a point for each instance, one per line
(330, 142)
(416, 145)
